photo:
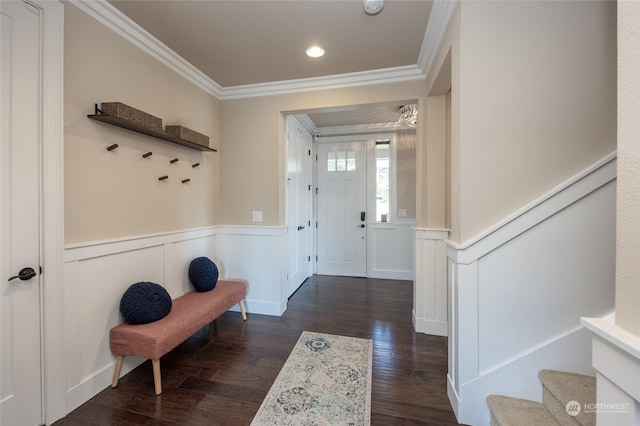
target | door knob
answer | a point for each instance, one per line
(300, 227)
(25, 274)
(362, 225)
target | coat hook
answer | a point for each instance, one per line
(161, 178)
(195, 165)
(148, 154)
(112, 147)
(186, 180)
(175, 160)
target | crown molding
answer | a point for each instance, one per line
(109, 16)
(338, 81)
(359, 129)
(303, 121)
(439, 18)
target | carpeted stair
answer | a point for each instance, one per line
(558, 389)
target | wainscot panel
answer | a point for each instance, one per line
(96, 274)
(517, 292)
(430, 285)
(391, 250)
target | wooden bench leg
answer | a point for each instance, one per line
(116, 374)
(157, 381)
(243, 310)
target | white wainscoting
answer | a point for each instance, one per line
(96, 274)
(430, 285)
(517, 292)
(391, 250)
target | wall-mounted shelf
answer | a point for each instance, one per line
(120, 122)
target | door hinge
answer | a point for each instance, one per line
(316, 257)
(309, 187)
(316, 191)
(316, 224)
(308, 258)
(316, 157)
(309, 152)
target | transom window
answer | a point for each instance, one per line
(341, 161)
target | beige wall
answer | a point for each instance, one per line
(435, 160)
(117, 194)
(628, 197)
(533, 102)
(406, 172)
(253, 146)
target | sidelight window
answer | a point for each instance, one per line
(382, 180)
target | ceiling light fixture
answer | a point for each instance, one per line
(372, 7)
(408, 116)
(315, 51)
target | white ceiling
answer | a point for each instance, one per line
(246, 42)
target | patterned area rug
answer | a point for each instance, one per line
(325, 381)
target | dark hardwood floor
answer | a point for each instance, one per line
(221, 375)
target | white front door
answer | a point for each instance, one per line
(342, 189)
(20, 336)
(298, 206)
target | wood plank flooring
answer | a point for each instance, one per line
(221, 375)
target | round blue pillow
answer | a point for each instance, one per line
(203, 274)
(145, 302)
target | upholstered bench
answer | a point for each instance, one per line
(189, 313)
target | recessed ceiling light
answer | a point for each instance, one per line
(373, 7)
(315, 51)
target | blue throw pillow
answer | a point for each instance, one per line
(145, 302)
(203, 274)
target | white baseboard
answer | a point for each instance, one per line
(432, 327)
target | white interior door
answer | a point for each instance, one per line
(20, 335)
(299, 266)
(342, 189)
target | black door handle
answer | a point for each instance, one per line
(300, 227)
(25, 274)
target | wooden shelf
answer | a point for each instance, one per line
(119, 122)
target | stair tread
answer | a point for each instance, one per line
(569, 386)
(509, 411)
(561, 388)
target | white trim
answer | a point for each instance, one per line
(52, 164)
(598, 174)
(118, 22)
(359, 129)
(607, 329)
(90, 249)
(272, 231)
(338, 81)
(439, 18)
(303, 121)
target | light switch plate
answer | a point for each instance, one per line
(402, 212)
(256, 216)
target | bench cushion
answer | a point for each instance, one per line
(188, 314)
